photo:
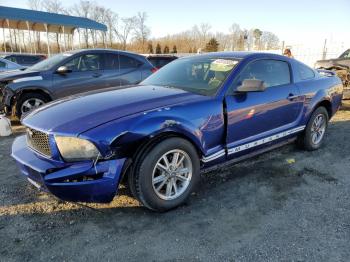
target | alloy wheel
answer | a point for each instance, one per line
(318, 129)
(172, 174)
(31, 104)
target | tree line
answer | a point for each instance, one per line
(134, 34)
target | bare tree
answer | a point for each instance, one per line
(257, 33)
(35, 5)
(55, 6)
(141, 30)
(202, 33)
(269, 41)
(111, 21)
(235, 32)
(38, 6)
(84, 9)
(124, 30)
(224, 40)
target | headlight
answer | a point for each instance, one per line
(75, 149)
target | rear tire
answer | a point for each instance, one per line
(28, 102)
(313, 136)
(166, 174)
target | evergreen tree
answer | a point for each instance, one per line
(174, 49)
(212, 45)
(158, 49)
(150, 48)
(166, 50)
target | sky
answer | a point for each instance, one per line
(299, 21)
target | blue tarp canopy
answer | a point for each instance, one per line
(17, 18)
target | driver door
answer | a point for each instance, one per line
(85, 74)
(256, 115)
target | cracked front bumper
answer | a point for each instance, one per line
(81, 181)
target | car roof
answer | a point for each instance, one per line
(21, 54)
(102, 50)
(240, 55)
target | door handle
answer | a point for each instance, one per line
(292, 96)
(96, 74)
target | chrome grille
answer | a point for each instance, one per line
(39, 141)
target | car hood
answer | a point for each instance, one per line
(16, 74)
(77, 114)
(330, 62)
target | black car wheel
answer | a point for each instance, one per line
(28, 102)
(166, 174)
(315, 130)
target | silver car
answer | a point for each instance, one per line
(6, 65)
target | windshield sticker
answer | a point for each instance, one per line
(223, 65)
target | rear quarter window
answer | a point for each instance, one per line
(127, 62)
(304, 72)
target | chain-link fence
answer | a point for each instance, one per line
(309, 55)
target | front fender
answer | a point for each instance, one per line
(19, 87)
(201, 124)
(149, 128)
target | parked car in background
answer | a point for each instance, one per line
(158, 61)
(192, 115)
(25, 59)
(6, 65)
(71, 73)
(340, 65)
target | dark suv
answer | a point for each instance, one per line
(70, 73)
(25, 59)
(158, 61)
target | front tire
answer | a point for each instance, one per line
(313, 136)
(28, 102)
(166, 174)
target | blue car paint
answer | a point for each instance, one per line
(221, 127)
(37, 169)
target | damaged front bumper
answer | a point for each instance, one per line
(81, 181)
(5, 101)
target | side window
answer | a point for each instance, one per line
(86, 62)
(30, 59)
(127, 62)
(11, 58)
(272, 72)
(305, 72)
(20, 60)
(112, 62)
(2, 64)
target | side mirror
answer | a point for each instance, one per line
(63, 70)
(251, 85)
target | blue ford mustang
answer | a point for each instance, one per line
(194, 114)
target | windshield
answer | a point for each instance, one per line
(195, 74)
(50, 62)
(346, 54)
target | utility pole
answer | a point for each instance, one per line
(324, 55)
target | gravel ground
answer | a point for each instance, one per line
(285, 205)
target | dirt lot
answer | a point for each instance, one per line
(286, 205)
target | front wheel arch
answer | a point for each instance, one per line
(148, 144)
(139, 171)
(27, 93)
